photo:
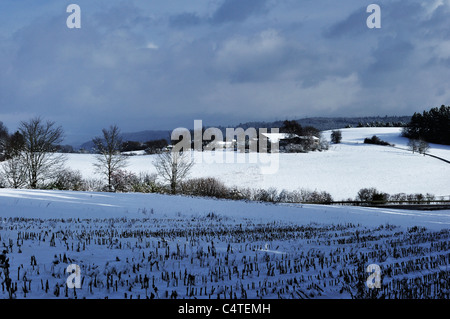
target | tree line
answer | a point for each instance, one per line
(432, 126)
(31, 158)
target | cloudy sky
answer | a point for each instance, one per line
(160, 64)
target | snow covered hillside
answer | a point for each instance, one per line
(342, 171)
(136, 245)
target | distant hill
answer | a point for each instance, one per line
(142, 136)
(331, 123)
(321, 123)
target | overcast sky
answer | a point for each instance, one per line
(158, 64)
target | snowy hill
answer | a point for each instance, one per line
(134, 245)
(341, 171)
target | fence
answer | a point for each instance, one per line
(403, 204)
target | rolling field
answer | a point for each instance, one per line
(158, 246)
(342, 171)
(135, 246)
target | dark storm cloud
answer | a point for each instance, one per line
(391, 56)
(186, 19)
(350, 26)
(228, 11)
(386, 74)
(160, 64)
(237, 10)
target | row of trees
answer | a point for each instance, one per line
(30, 153)
(293, 127)
(31, 156)
(150, 147)
(378, 124)
(372, 195)
(31, 159)
(432, 126)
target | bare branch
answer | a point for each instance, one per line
(39, 149)
(109, 159)
(173, 167)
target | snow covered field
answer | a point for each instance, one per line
(342, 171)
(159, 246)
(133, 245)
(67, 204)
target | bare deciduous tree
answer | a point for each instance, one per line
(173, 167)
(109, 158)
(39, 150)
(423, 147)
(413, 145)
(15, 172)
(3, 140)
(14, 168)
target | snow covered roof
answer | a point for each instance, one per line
(224, 143)
(276, 137)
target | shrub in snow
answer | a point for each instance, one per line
(293, 148)
(93, 185)
(283, 196)
(123, 181)
(147, 184)
(67, 179)
(336, 136)
(323, 144)
(209, 186)
(265, 195)
(238, 193)
(375, 140)
(372, 195)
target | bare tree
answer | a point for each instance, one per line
(3, 140)
(109, 158)
(14, 167)
(173, 167)
(413, 145)
(15, 172)
(423, 147)
(39, 150)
